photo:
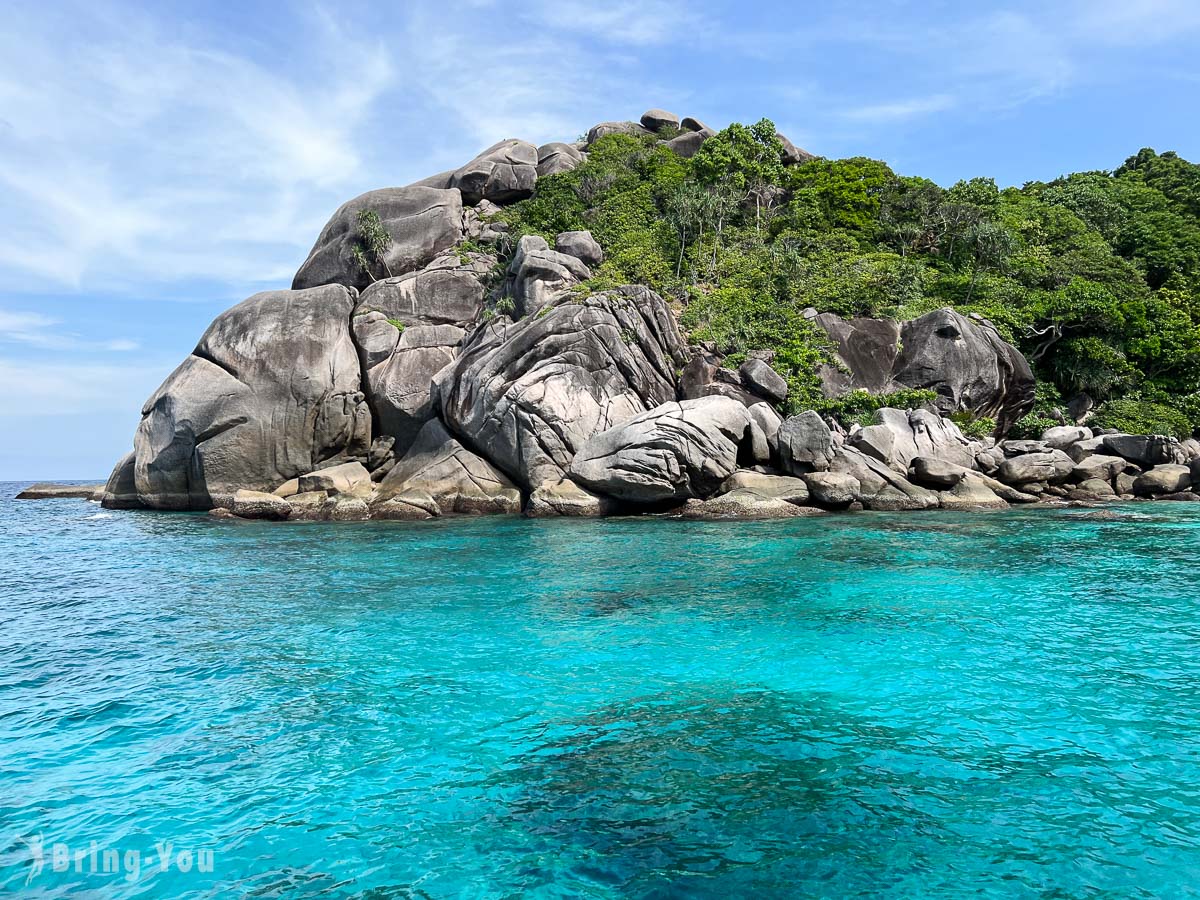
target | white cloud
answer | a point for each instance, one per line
(46, 333)
(900, 110)
(621, 21)
(40, 388)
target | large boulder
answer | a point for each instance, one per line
(120, 492)
(759, 378)
(1100, 466)
(399, 364)
(439, 467)
(833, 490)
(566, 499)
(503, 173)
(556, 157)
(272, 391)
(965, 361)
(880, 486)
(606, 128)
(899, 436)
(258, 505)
(581, 245)
(657, 119)
(1146, 449)
(677, 451)
(793, 155)
(1061, 437)
(422, 222)
(805, 444)
(1050, 467)
(347, 478)
(529, 394)
(538, 275)
(972, 492)
(448, 291)
(1169, 478)
(775, 487)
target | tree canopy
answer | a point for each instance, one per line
(1094, 276)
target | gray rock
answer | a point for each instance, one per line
(833, 490)
(899, 436)
(1051, 467)
(966, 362)
(1081, 450)
(880, 487)
(1098, 466)
(347, 478)
(1181, 496)
(1093, 489)
(346, 508)
(449, 291)
(775, 487)
(704, 376)
(538, 275)
(972, 492)
(422, 222)
(258, 505)
(745, 505)
(936, 473)
(764, 433)
(687, 144)
(399, 368)
(657, 119)
(606, 128)
(458, 480)
(568, 500)
(311, 506)
(1194, 465)
(1123, 483)
(793, 155)
(805, 444)
(690, 123)
(50, 490)
(1020, 448)
(555, 158)
(530, 393)
(1169, 478)
(1060, 437)
(503, 173)
(1191, 449)
(676, 451)
(413, 505)
(1145, 450)
(289, 488)
(120, 492)
(759, 378)
(272, 391)
(581, 245)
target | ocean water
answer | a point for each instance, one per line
(912, 705)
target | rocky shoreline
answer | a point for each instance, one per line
(427, 363)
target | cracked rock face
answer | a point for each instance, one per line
(677, 451)
(965, 361)
(457, 480)
(422, 222)
(271, 392)
(503, 173)
(529, 394)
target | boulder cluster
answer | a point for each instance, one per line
(428, 374)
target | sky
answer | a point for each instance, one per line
(160, 162)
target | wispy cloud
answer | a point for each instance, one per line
(635, 22)
(900, 110)
(48, 333)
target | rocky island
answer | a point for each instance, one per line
(639, 322)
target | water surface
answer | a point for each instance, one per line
(911, 705)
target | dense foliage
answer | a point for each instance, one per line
(1094, 276)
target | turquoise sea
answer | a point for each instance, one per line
(868, 705)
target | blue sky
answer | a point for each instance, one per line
(161, 161)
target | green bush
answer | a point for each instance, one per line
(1137, 416)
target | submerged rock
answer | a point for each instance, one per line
(49, 490)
